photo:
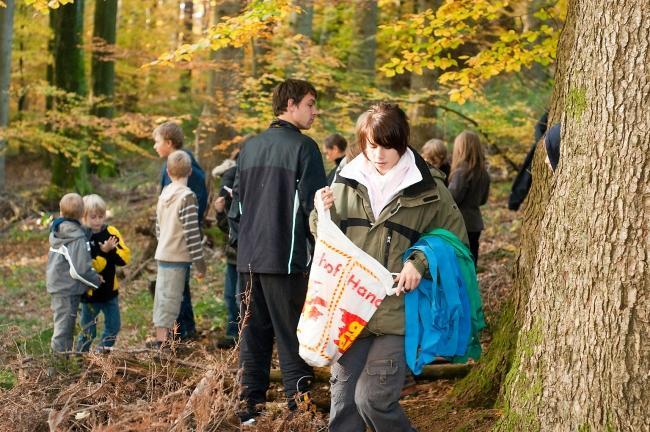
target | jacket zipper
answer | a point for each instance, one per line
(387, 247)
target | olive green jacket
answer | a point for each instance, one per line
(416, 210)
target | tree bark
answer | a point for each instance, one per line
(582, 353)
(223, 84)
(186, 38)
(68, 75)
(6, 33)
(422, 115)
(303, 21)
(103, 65)
(103, 68)
(364, 56)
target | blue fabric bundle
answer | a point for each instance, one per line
(444, 314)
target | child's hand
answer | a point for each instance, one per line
(219, 204)
(101, 279)
(109, 244)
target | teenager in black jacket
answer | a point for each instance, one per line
(278, 173)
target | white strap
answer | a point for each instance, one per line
(63, 250)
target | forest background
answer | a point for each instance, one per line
(89, 80)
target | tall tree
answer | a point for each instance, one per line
(581, 359)
(224, 81)
(103, 66)
(187, 17)
(364, 56)
(68, 75)
(303, 21)
(6, 32)
(422, 114)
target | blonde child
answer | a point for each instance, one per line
(179, 244)
(108, 251)
(69, 270)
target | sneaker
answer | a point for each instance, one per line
(226, 343)
(249, 422)
(189, 337)
(153, 344)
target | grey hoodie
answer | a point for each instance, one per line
(69, 264)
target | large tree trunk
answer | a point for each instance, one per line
(6, 32)
(68, 75)
(364, 56)
(103, 67)
(582, 354)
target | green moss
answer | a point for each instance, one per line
(584, 427)
(481, 386)
(525, 390)
(576, 102)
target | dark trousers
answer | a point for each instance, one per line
(473, 244)
(231, 297)
(273, 310)
(185, 320)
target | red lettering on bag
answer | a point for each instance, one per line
(329, 268)
(363, 291)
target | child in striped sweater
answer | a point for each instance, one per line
(179, 244)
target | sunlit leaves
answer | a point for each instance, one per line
(44, 5)
(484, 33)
(255, 22)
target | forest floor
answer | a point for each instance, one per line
(133, 388)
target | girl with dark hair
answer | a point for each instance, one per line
(383, 200)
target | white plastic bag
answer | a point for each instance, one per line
(346, 286)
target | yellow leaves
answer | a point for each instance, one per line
(44, 5)
(428, 40)
(235, 31)
(3, 4)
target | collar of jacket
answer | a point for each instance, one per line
(423, 192)
(427, 184)
(58, 221)
(279, 123)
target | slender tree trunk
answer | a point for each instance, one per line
(218, 113)
(582, 354)
(68, 75)
(422, 115)
(6, 32)
(363, 58)
(103, 65)
(186, 38)
(103, 68)
(303, 21)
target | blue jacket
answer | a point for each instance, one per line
(438, 319)
(196, 183)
